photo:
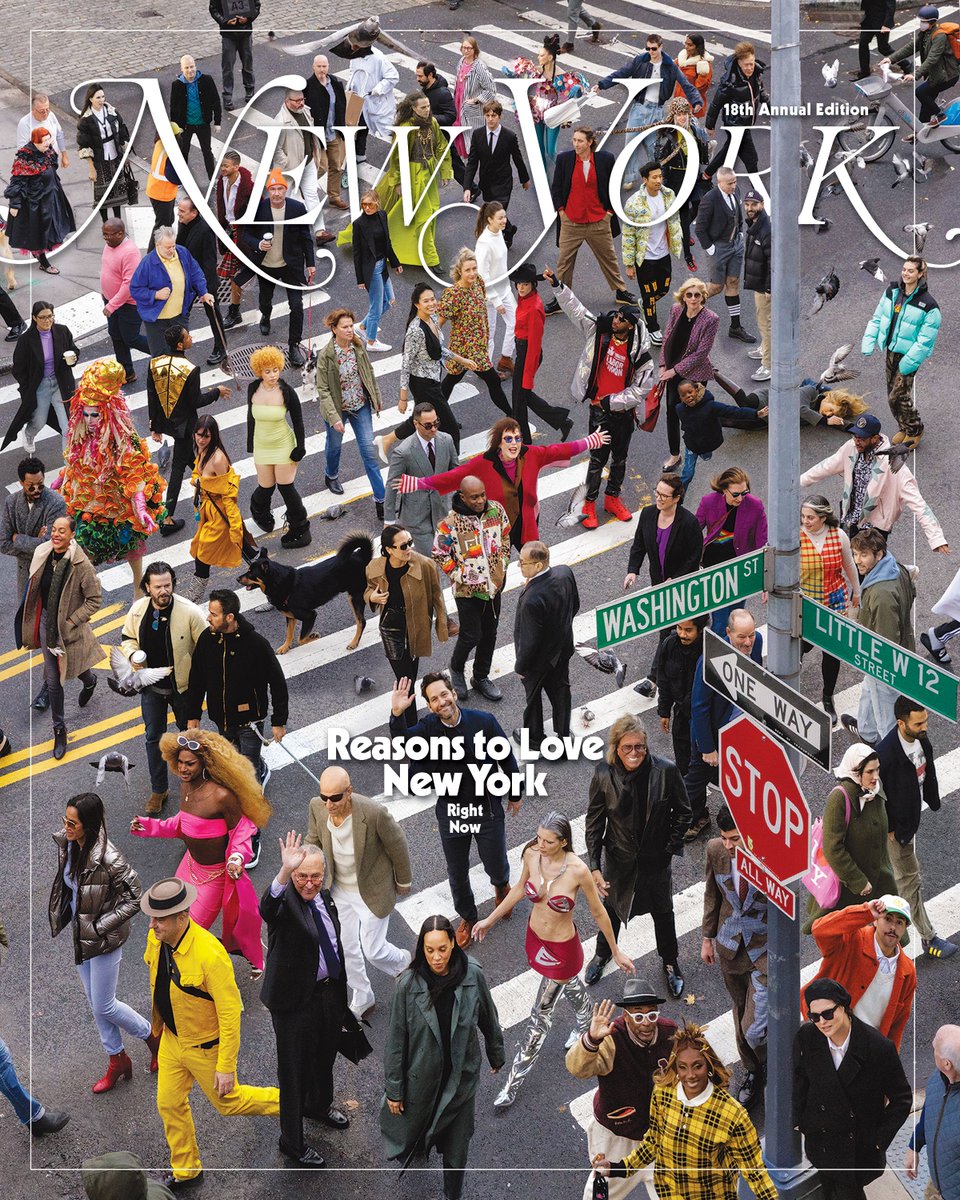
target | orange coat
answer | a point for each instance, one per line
(846, 940)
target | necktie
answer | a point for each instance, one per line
(330, 959)
(491, 142)
(431, 453)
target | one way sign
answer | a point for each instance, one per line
(781, 710)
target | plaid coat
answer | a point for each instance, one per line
(697, 1151)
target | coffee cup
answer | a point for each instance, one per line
(70, 357)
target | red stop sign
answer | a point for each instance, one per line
(764, 797)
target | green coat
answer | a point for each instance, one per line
(328, 380)
(413, 1064)
(938, 65)
(858, 852)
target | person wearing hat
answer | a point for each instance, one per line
(850, 1093)
(196, 1010)
(905, 323)
(284, 254)
(622, 1053)
(529, 322)
(939, 66)
(614, 374)
(120, 1175)
(861, 951)
(876, 488)
(757, 265)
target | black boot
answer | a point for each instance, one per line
(233, 317)
(260, 508)
(297, 536)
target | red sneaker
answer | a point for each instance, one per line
(616, 508)
(590, 515)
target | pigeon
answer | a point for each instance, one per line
(902, 169)
(126, 681)
(333, 512)
(5, 746)
(836, 372)
(919, 231)
(826, 289)
(897, 454)
(825, 225)
(872, 267)
(806, 159)
(574, 513)
(164, 455)
(846, 156)
(830, 72)
(114, 761)
(919, 167)
(587, 716)
(607, 662)
(362, 683)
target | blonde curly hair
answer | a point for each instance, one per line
(266, 357)
(692, 1037)
(225, 765)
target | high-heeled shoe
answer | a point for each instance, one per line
(120, 1067)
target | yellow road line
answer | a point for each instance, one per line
(96, 619)
(75, 737)
(92, 748)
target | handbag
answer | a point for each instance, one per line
(821, 880)
(651, 407)
(352, 1043)
(130, 184)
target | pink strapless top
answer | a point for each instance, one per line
(202, 827)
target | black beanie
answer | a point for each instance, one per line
(826, 989)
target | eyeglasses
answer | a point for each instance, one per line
(429, 424)
(737, 495)
(335, 799)
(633, 747)
(43, 317)
(512, 438)
(186, 743)
(664, 495)
(651, 1017)
(301, 878)
(402, 545)
(826, 1015)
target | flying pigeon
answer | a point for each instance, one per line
(114, 761)
(587, 716)
(919, 167)
(872, 267)
(826, 289)
(919, 231)
(362, 683)
(902, 169)
(574, 513)
(126, 681)
(806, 159)
(897, 454)
(836, 371)
(830, 72)
(607, 662)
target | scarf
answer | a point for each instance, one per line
(441, 983)
(59, 581)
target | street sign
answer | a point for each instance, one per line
(776, 892)
(774, 705)
(690, 596)
(874, 655)
(764, 798)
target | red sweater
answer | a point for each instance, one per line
(846, 941)
(528, 327)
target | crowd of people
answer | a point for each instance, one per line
(666, 1110)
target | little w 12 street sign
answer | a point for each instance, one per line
(792, 717)
(775, 891)
(679, 599)
(874, 655)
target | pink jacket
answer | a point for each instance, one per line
(695, 364)
(241, 911)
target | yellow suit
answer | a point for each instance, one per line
(207, 1040)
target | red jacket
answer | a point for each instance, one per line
(243, 197)
(846, 940)
(529, 322)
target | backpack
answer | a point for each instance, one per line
(952, 31)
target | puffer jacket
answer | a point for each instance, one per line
(108, 896)
(738, 98)
(598, 331)
(912, 332)
(756, 254)
(939, 1131)
(636, 236)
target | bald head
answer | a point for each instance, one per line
(741, 630)
(336, 795)
(321, 67)
(946, 1051)
(473, 493)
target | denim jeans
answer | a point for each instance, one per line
(244, 737)
(875, 716)
(24, 1105)
(642, 112)
(48, 396)
(126, 333)
(690, 465)
(99, 978)
(380, 295)
(153, 707)
(361, 423)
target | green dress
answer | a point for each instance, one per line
(405, 238)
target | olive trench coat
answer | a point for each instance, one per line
(413, 1064)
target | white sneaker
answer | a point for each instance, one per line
(762, 373)
(756, 355)
(377, 347)
(378, 442)
(30, 447)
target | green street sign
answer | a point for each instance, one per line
(679, 599)
(874, 655)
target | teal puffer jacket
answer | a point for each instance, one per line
(907, 325)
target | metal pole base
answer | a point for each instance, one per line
(793, 1183)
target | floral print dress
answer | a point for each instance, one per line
(466, 310)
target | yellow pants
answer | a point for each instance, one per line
(181, 1067)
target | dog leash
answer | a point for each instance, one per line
(272, 742)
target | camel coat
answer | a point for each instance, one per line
(79, 600)
(422, 600)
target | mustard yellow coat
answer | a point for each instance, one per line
(218, 542)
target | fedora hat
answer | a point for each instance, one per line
(526, 273)
(639, 991)
(168, 896)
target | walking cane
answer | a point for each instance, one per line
(271, 742)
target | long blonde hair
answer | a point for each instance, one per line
(225, 765)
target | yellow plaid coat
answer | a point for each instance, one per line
(698, 1152)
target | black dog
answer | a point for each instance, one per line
(298, 592)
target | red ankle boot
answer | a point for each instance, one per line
(120, 1067)
(616, 507)
(590, 514)
(153, 1045)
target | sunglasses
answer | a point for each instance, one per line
(695, 294)
(402, 545)
(827, 1015)
(186, 743)
(335, 799)
(633, 748)
(512, 438)
(737, 495)
(651, 1017)
(429, 424)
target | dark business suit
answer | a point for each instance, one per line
(496, 172)
(307, 1014)
(717, 223)
(543, 640)
(298, 254)
(197, 237)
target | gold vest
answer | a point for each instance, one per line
(170, 374)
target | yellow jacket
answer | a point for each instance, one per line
(203, 964)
